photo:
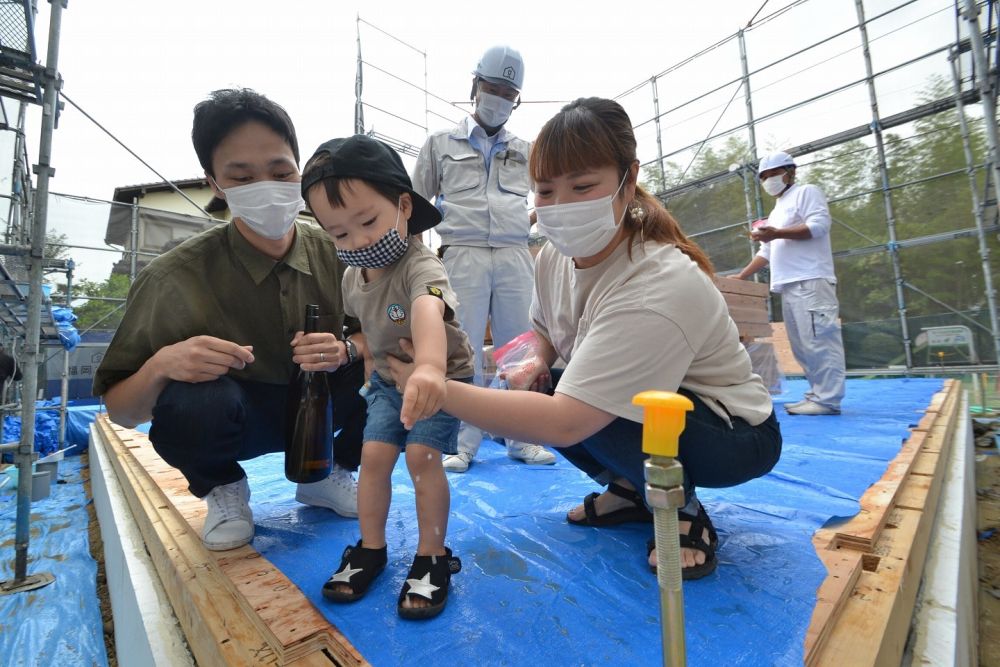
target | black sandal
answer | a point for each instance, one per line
(694, 540)
(359, 566)
(638, 513)
(429, 577)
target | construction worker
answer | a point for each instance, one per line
(478, 174)
(795, 242)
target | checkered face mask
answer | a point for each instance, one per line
(386, 251)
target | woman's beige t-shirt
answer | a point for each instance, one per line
(653, 322)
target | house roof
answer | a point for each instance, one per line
(126, 193)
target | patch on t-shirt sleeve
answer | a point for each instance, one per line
(435, 291)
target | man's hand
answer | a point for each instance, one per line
(202, 358)
(764, 234)
(423, 396)
(318, 351)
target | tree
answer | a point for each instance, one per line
(103, 314)
(55, 246)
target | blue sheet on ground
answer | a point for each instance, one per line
(59, 624)
(536, 590)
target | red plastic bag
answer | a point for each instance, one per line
(520, 363)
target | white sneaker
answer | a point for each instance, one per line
(796, 404)
(457, 462)
(229, 522)
(338, 492)
(531, 454)
(811, 408)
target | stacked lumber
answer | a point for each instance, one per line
(747, 302)
(783, 350)
(875, 560)
(227, 603)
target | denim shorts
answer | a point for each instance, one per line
(439, 431)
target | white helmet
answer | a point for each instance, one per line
(775, 160)
(501, 65)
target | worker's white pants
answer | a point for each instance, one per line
(494, 284)
(810, 310)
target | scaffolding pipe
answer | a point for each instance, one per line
(659, 135)
(890, 217)
(16, 180)
(427, 101)
(987, 92)
(751, 130)
(359, 109)
(64, 379)
(44, 171)
(134, 239)
(977, 211)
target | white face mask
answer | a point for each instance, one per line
(774, 185)
(267, 207)
(580, 229)
(493, 110)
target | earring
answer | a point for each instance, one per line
(637, 212)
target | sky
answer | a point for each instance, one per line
(139, 68)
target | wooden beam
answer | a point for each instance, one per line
(234, 607)
(737, 286)
(843, 568)
(866, 622)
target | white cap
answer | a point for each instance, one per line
(501, 65)
(775, 160)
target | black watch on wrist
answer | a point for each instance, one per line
(352, 350)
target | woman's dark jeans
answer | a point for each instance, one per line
(714, 455)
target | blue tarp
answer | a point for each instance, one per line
(59, 624)
(46, 428)
(533, 589)
(536, 590)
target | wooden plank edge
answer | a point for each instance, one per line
(915, 489)
(903, 557)
(246, 630)
(207, 637)
(323, 638)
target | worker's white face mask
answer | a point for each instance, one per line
(268, 208)
(774, 185)
(493, 110)
(580, 229)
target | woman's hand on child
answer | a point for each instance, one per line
(423, 395)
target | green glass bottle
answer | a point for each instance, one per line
(308, 435)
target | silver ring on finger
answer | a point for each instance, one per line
(322, 357)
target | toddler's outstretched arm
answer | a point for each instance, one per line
(425, 391)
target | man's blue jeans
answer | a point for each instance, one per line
(713, 454)
(204, 429)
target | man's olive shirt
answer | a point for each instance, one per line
(217, 284)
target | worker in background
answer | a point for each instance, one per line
(478, 174)
(212, 331)
(795, 243)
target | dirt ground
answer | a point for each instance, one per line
(97, 553)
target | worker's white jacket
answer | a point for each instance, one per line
(480, 207)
